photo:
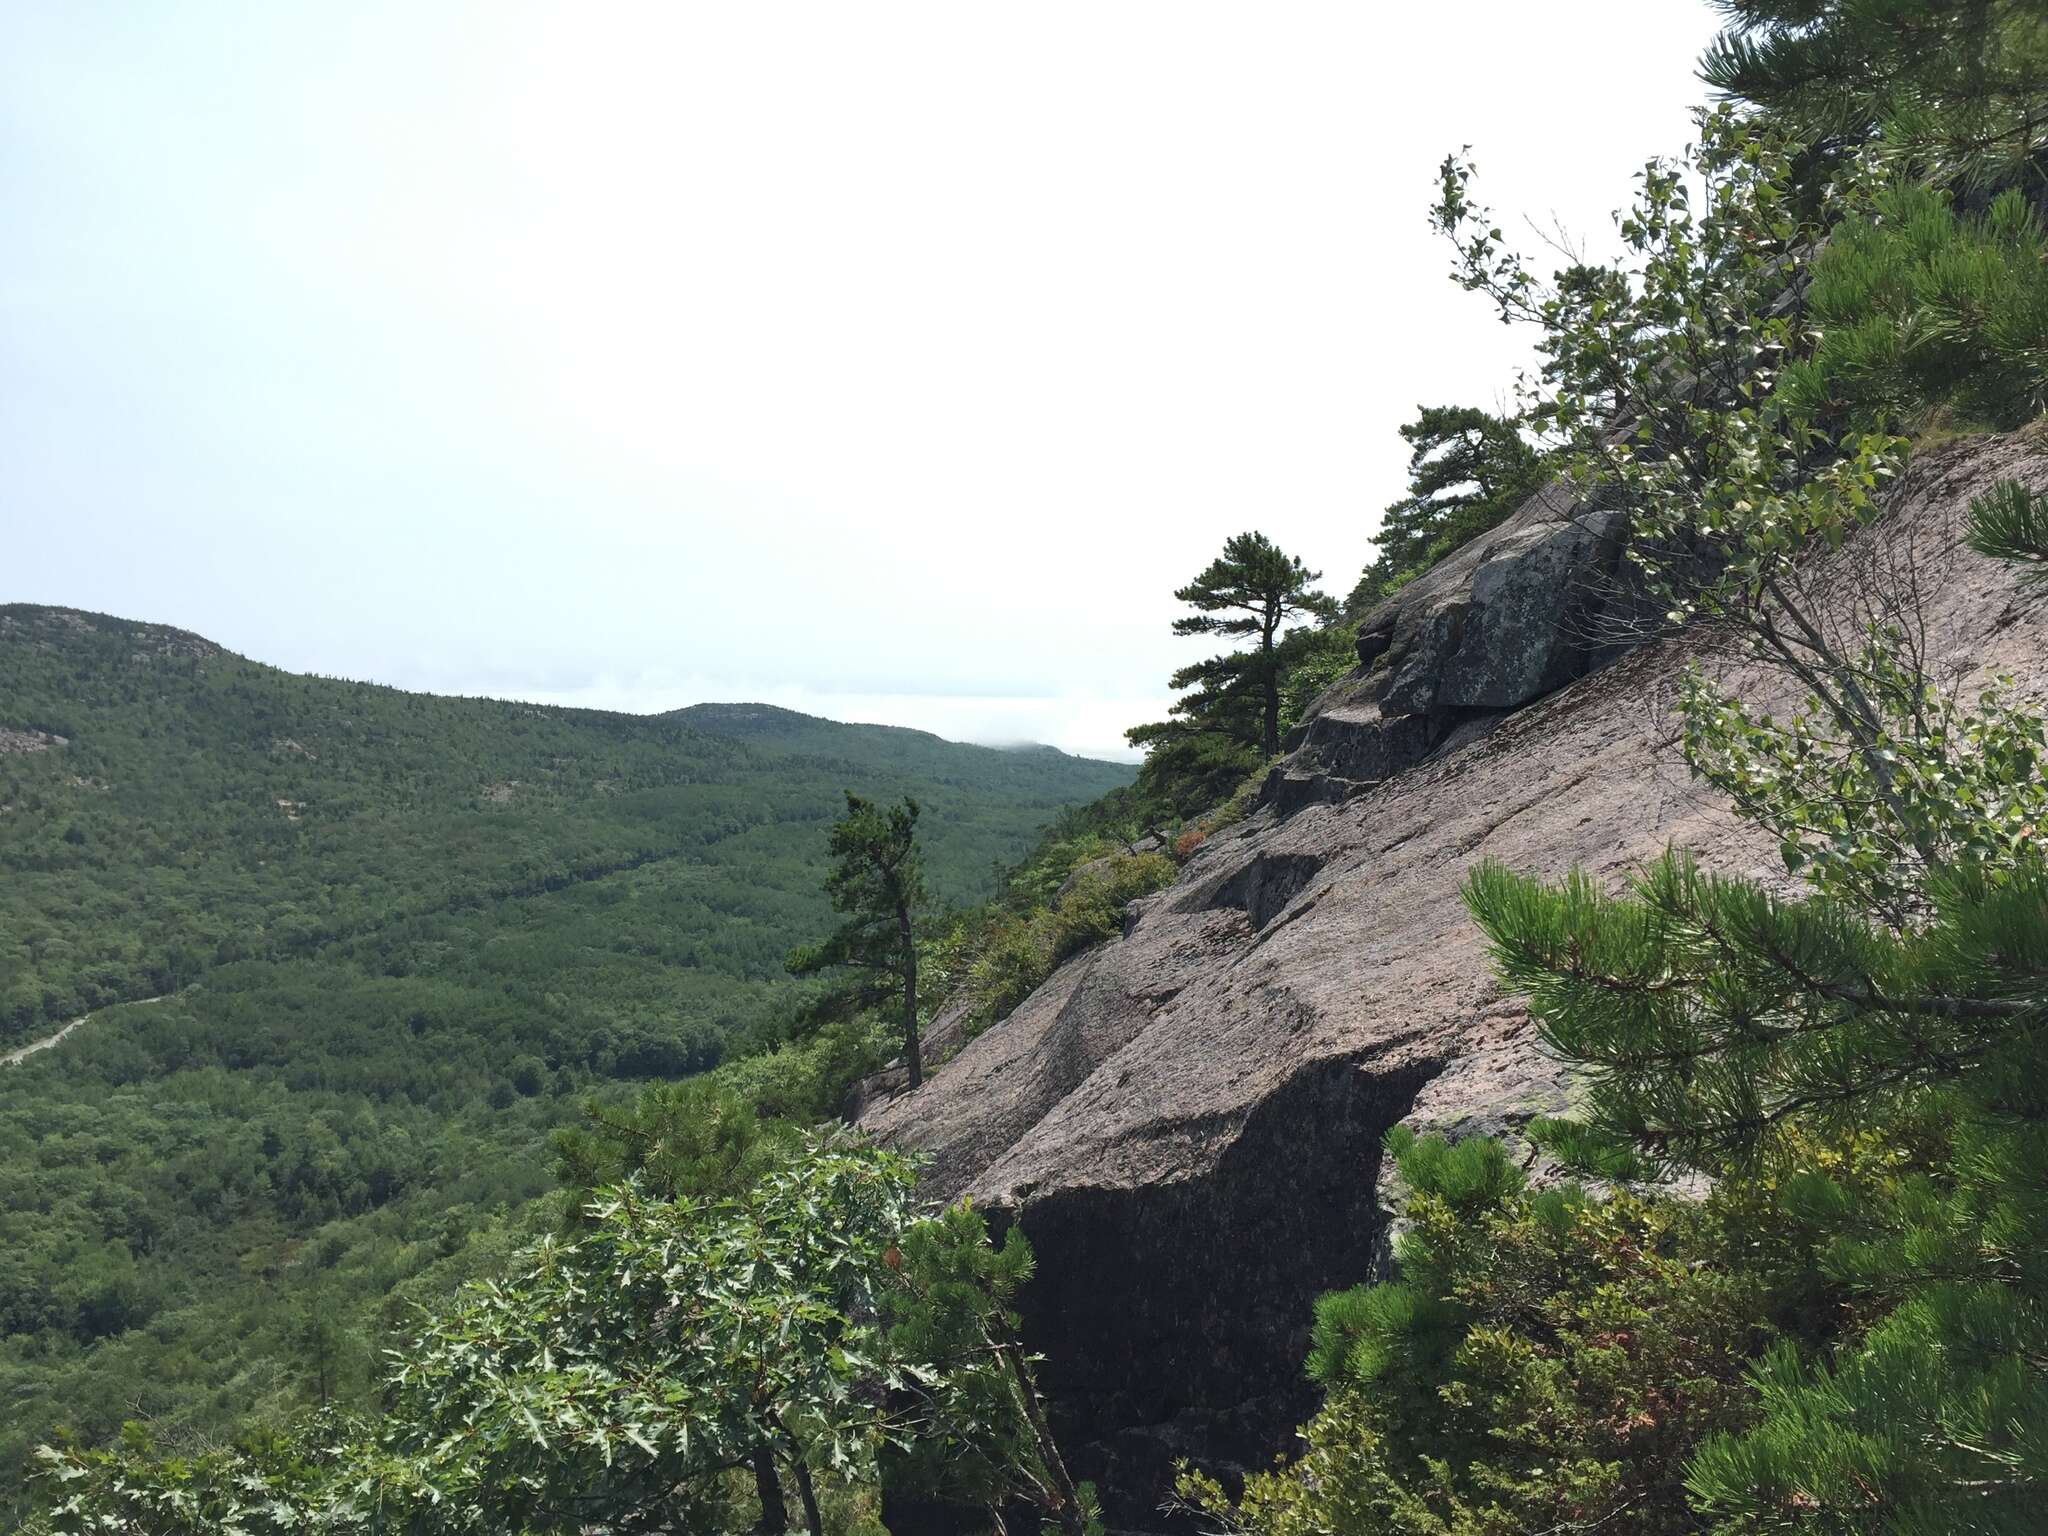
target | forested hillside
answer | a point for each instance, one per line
(167, 807)
(402, 937)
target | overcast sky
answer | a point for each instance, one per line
(892, 362)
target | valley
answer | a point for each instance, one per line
(387, 942)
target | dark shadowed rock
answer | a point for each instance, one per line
(1425, 643)
(1187, 1121)
(1354, 740)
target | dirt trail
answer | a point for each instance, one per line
(22, 1053)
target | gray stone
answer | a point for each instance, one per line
(1525, 632)
(1505, 619)
(1363, 744)
(1424, 644)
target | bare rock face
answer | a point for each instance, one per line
(1531, 606)
(1187, 1121)
(1511, 617)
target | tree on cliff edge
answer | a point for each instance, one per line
(1251, 590)
(1467, 470)
(877, 881)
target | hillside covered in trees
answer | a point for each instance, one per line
(171, 807)
(397, 938)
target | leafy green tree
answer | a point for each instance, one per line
(622, 1372)
(674, 1365)
(1249, 592)
(2010, 523)
(321, 1340)
(1467, 470)
(877, 883)
(1710, 1013)
(1732, 484)
(1655, 390)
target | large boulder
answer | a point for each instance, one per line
(1506, 618)
(1187, 1121)
(1510, 617)
(1529, 611)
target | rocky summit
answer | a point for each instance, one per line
(1188, 1121)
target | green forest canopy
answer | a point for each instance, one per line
(403, 936)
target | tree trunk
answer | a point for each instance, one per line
(1269, 737)
(912, 1055)
(807, 1496)
(768, 1487)
(1071, 1520)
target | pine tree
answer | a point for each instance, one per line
(1250, 591)
(695, 1139)
(1904, 1009)
(877, 882)
(1916, 305)
(1950, 88)
(1467, 470)
(1545, 1361)
(993, 1444)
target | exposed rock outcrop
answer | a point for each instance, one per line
(1511, 617)
(35, 624)
(1187, 1121)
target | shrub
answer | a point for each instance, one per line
(1021, 952)
(1547, 1360)
(1918, 307)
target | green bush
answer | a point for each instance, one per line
(1313, 660)
(1020, 952)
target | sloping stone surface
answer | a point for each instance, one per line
(1187, 1121)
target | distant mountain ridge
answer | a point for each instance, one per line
(769, 721)
(207, 796)
(773, 723)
